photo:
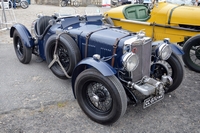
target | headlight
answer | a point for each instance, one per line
(130, 61)
(164, 51)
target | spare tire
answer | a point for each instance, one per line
(68, 54)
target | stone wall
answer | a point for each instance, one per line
(47, 2)
(57, 2)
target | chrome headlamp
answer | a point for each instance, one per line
(130, 61)
(164, 51)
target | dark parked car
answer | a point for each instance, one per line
(109, 66)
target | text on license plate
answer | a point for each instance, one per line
(151, 100)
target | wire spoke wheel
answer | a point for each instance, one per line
(171, 67)
(67, 52)
(191, 58)
(103, 99)
(195, 55)
(99, 96)
(63, 56)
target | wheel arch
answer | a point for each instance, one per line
(23, 33)
(104, 68)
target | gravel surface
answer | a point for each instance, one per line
(33, 100)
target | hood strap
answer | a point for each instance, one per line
(87, 39)
(115, 47)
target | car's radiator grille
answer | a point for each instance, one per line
(143, 50)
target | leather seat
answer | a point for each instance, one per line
(42, 24)
(136, 12)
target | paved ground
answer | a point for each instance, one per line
(33, 100)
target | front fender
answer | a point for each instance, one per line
(174, 47)
(24, 34)
(103, 67)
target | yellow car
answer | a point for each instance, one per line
(180, 23)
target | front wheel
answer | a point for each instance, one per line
(24, 4)
(172, 67)
(103, 99)
(23, 52)
(191, 58)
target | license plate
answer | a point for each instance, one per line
(151, 100)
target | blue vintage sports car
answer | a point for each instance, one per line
(109, 66)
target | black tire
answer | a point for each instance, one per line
(172, 67)
(76, 3)
(24, 4)
(110, 92)
(63, 3)
(191, 58)
(23, 52)
(68, 53)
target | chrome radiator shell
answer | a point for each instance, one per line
(142, 47)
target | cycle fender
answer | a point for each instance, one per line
(104, 68)
(24, 34)
(176, 49)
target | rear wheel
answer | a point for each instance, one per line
(23, 52)
(103, 99)
(24, 4)
(67, 52)
(191, 57)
